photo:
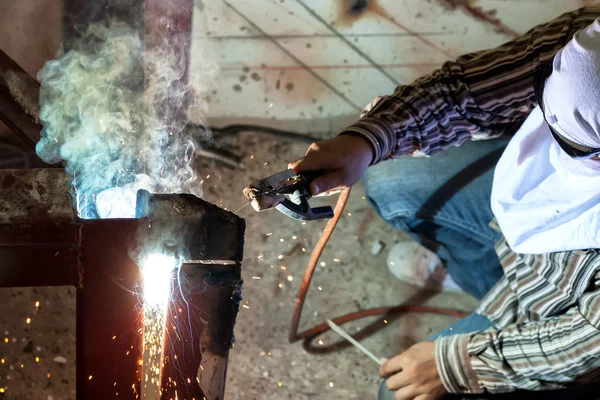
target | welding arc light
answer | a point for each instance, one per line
(156, 273)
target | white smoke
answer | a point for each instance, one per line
(116, 113)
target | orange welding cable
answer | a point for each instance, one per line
(294, 335)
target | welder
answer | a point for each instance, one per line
(504, 185)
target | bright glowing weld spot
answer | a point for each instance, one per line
(156, 272)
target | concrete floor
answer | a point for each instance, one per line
(38, 361)
(37, 357)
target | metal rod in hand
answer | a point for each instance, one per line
(349, 338)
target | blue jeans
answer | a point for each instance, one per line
(444, 203)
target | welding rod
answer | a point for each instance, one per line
(242, 206)
(349, 338)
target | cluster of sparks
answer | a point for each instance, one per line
(301, 245)
(156, 274)
(21, 365)
(154, 328)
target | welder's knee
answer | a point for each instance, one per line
(398, 188)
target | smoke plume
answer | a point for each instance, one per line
(115, 112)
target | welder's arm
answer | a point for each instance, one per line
(479, 96)
(542, 355)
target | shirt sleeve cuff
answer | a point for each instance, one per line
(454, 365)
(378, 133)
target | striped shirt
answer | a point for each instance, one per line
(546, 308)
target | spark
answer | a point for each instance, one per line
(320, 288)
(330, 384)
(336, 260)
(2, 361)
(269, 234)
(294, 237)
(290, 278)
(279, 257)
(245, 306)
(280, 384)
(28, 320)
(37, 359)
(349, 214)
(282, 240)
(321, 342)
(90, 378)
(156, 274)
(256, 277)
(323, 263)
(385, 321)
(37, 304)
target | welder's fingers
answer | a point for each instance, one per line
(332, 192)
(407, 393)
(329, 182)
(425, 397)
(310, 162)
(293, 164)
(391, 367)
(396, 381)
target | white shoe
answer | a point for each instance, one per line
(414, 264)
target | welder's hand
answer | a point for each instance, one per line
(343, 158)
(413, 375)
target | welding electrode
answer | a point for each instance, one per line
(242, 206)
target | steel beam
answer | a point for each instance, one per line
(43, 243)
(19, 106)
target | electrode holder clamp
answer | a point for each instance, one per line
(289, 193)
